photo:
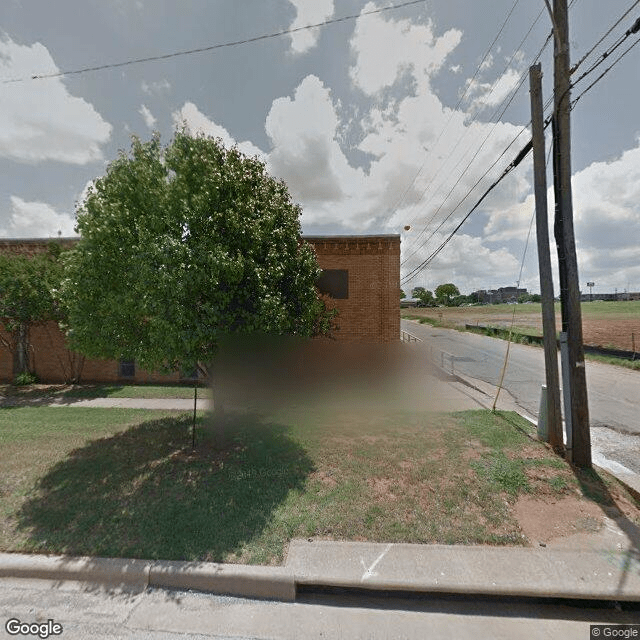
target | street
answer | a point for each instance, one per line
(614, 392)
(158, 615)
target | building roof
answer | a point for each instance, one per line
(305, 237)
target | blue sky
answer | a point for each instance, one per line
(347, 115)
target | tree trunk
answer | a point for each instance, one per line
(22, 349)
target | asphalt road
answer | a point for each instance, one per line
(163, 615)
(614, 392)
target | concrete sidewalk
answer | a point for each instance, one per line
(168, 404)
(428, 569)
(468, 570)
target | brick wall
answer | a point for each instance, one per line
(371, 313)
(31, 246)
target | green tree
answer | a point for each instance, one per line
(402, 294)
(424, 295)
(445, 293)
(181, 246)
(29, 295)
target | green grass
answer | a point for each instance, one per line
(119, 482)
(596, 309)
(619, 362)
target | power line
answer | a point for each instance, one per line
(519, 85)
(634, 29)
(213, 47)
(518, 159)
(604, 73)
(415, 250)
(604, 37)
(515, 162)
(521, 81)
(619, 42)
(501, 114)
(469, 85)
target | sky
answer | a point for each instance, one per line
(375, 124)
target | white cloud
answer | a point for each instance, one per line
(147, 116)
(487, 63)
(155, 88)
(39, 119)
(606, 198)
(308, 12)
(197, 122)
(36, 220)
(468, 262)
(385, 48)
(606, 203)
(306, 154)
(491, 94)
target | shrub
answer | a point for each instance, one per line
(24, 379)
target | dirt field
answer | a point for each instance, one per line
(605, 324)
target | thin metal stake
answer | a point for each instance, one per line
(193, 429)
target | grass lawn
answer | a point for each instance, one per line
(117, 482)
(34, 392)
(590, 310)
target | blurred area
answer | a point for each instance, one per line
(268, 373)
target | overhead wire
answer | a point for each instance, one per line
(460, 100)
(621, 40)
(415, 250)
(510, 97)
(213, 47)
(464, 133)
(519, 85)
(604, 73)
(605, 36)
(522, 154)
(634, 29)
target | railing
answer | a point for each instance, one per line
(405, 336)
(439, 358)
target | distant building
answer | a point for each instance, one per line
(621, 295)
(409, 302)
(501, 295)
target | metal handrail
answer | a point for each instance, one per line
(405, 336)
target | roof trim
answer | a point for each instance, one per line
(39, 240)
(382, 236)
(304, 237)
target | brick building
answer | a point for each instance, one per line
(360, 273)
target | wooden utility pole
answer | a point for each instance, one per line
(554, 416)
(565, 240)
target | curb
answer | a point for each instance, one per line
(247, 581)
(276, 583)
(107, 571)
(447, 571)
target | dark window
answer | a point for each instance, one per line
(190, 374)
(335, 283)
(127, 369)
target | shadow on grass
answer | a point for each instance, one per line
(12, 396)
(144, 493)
